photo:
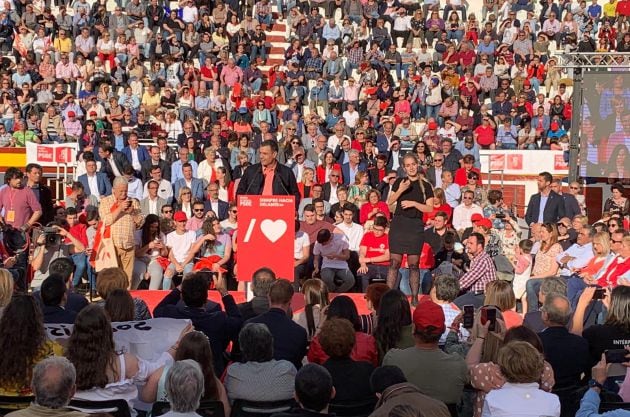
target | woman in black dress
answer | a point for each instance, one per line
(406, 235)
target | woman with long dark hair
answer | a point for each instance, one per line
(195, 346)
(316, 299)
(414, 196)
(343, 307)
(393, 324)
(104, 373)
(149, 247)
(22, 328)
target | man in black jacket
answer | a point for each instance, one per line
(313, 392)
(221, 328)
(568, 354)
(155, 160)
(113, 162)
(289, 338)
(262, 281)
(269, 177)
(53, 294)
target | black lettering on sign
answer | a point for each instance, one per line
(61, 331)
(142, 325)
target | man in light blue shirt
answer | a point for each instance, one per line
(579, 254)
(176, 168)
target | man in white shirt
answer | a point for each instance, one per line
(332, 249)
(335, 140)
(134, 185)
(351, 116)
(579, 254)
(352, 230)
(179, 243)
(165, 189)
(463, 212)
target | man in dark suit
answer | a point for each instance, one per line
(329, 189)
(553, 285)
(262, 281)
(395, 157)
(42, 192)
(269, 177)
(167, 154)
(220, 327)
(113, 162)
(289, 338)
(571, 205)
(154, 160)
(434, 173)
(103, 185)
(568, 354)
(189, 132)
(379, 172)
(350, 169)
(550, 202)
(212, 203)
(196, 185)
(53, 294)
(384, 187)
(135, 153)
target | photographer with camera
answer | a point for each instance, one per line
(50, 245)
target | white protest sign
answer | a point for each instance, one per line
(147, 339)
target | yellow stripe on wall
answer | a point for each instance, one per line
(12, 159)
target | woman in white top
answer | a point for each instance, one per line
(521, 366)
(103, 373)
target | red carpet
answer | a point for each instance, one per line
(153, 298)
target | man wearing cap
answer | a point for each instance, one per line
(425, 360)
(480, 272)
(179, 243)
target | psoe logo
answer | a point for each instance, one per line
(245, 202)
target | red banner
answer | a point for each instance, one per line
(266, 232)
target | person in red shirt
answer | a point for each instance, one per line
(461, 175)
(373, 207)
(484, 133)
(78, 230)
(374, 253)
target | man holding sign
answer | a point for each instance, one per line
(269, 177)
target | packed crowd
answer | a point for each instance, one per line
(374, 122)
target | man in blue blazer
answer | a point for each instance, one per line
(551, 204)
(196, 185)
(212, 203)
(350, 169)
(133, 149)
(103, 185)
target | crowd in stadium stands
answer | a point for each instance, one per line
(374, 121)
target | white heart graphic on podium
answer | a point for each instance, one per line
(273, 230)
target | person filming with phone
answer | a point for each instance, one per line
(124, 217)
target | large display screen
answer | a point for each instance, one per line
(605, 133)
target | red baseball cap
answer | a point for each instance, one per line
(429, 316)
(476, 217)
(433, 125)
(485, 223)
(180, 216)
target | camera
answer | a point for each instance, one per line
(52, 236)
(500, 215)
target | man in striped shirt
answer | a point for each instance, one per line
(481, 272)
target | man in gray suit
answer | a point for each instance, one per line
(152, 204)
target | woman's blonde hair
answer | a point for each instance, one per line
(6, 287)
(604, 239)
(499, 293)
(181, 191)
(110, 279)
(358, 176)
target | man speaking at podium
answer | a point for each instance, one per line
(269, 177)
